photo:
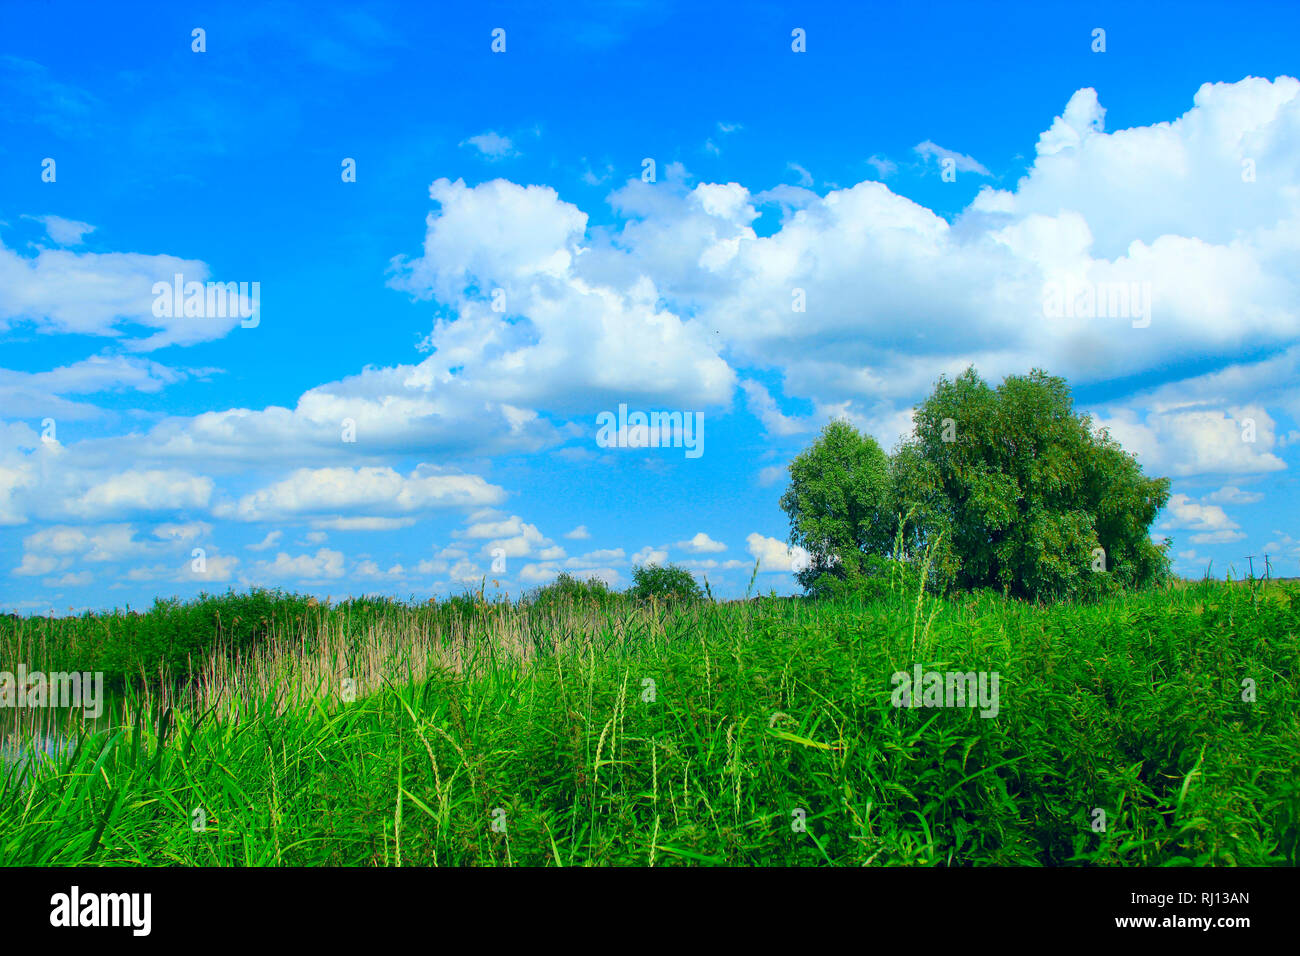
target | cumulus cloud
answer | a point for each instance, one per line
(379, 491)
(325, 564)
(570, 337)
(1209, 524)
(651, 555)
(1180, 443)
(136, 491)
(89, 293)
(773, 556)
(62, 546)
(701, 543)
(512, 536)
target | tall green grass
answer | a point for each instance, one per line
(756, 733)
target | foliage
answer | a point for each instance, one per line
(1004, 488)
(127, 644)
(1024, 492)
(1133, 704)
(668, 582)
(566, 590)
(838, 503)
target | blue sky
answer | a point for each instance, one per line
(1166, 166)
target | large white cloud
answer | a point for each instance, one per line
(372, 491)
(91, 293)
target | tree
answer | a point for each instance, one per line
(1005, 488)
(668, 583)
(839, 503)
(1016, 491)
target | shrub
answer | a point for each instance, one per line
(567, 591)
(668, 583)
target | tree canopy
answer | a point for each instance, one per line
(1001, 487)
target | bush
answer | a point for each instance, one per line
(567, 591)
(668, 583)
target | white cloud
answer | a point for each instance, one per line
(137, 491)
(89, 293)
(359, 524)
(773, 555)
(59, 547)
(573, 336)
(884, 167)
(651, 555)
(1198, 442)
(512, 535)
(603, 556)
(64, 232)
(214, 569)
(1209, 524)
(491, 145)
(545, 572)
(270, 541)
(311, 491)
(701, 543)
(73, 579)
(805, 177)
(580, 533)
(42, 394)
(1232, 495)
(325, 564)
(709, 564)
(764, 406)
(960, 161)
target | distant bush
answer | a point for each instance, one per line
(566, 590)
(668, 583)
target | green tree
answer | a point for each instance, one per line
(839, 504)
(667, 583)
(1017, 492)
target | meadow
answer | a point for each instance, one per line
(267, 729)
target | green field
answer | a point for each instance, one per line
(265, 730)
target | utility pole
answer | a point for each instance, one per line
(1266, 567)
(1251, 559)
